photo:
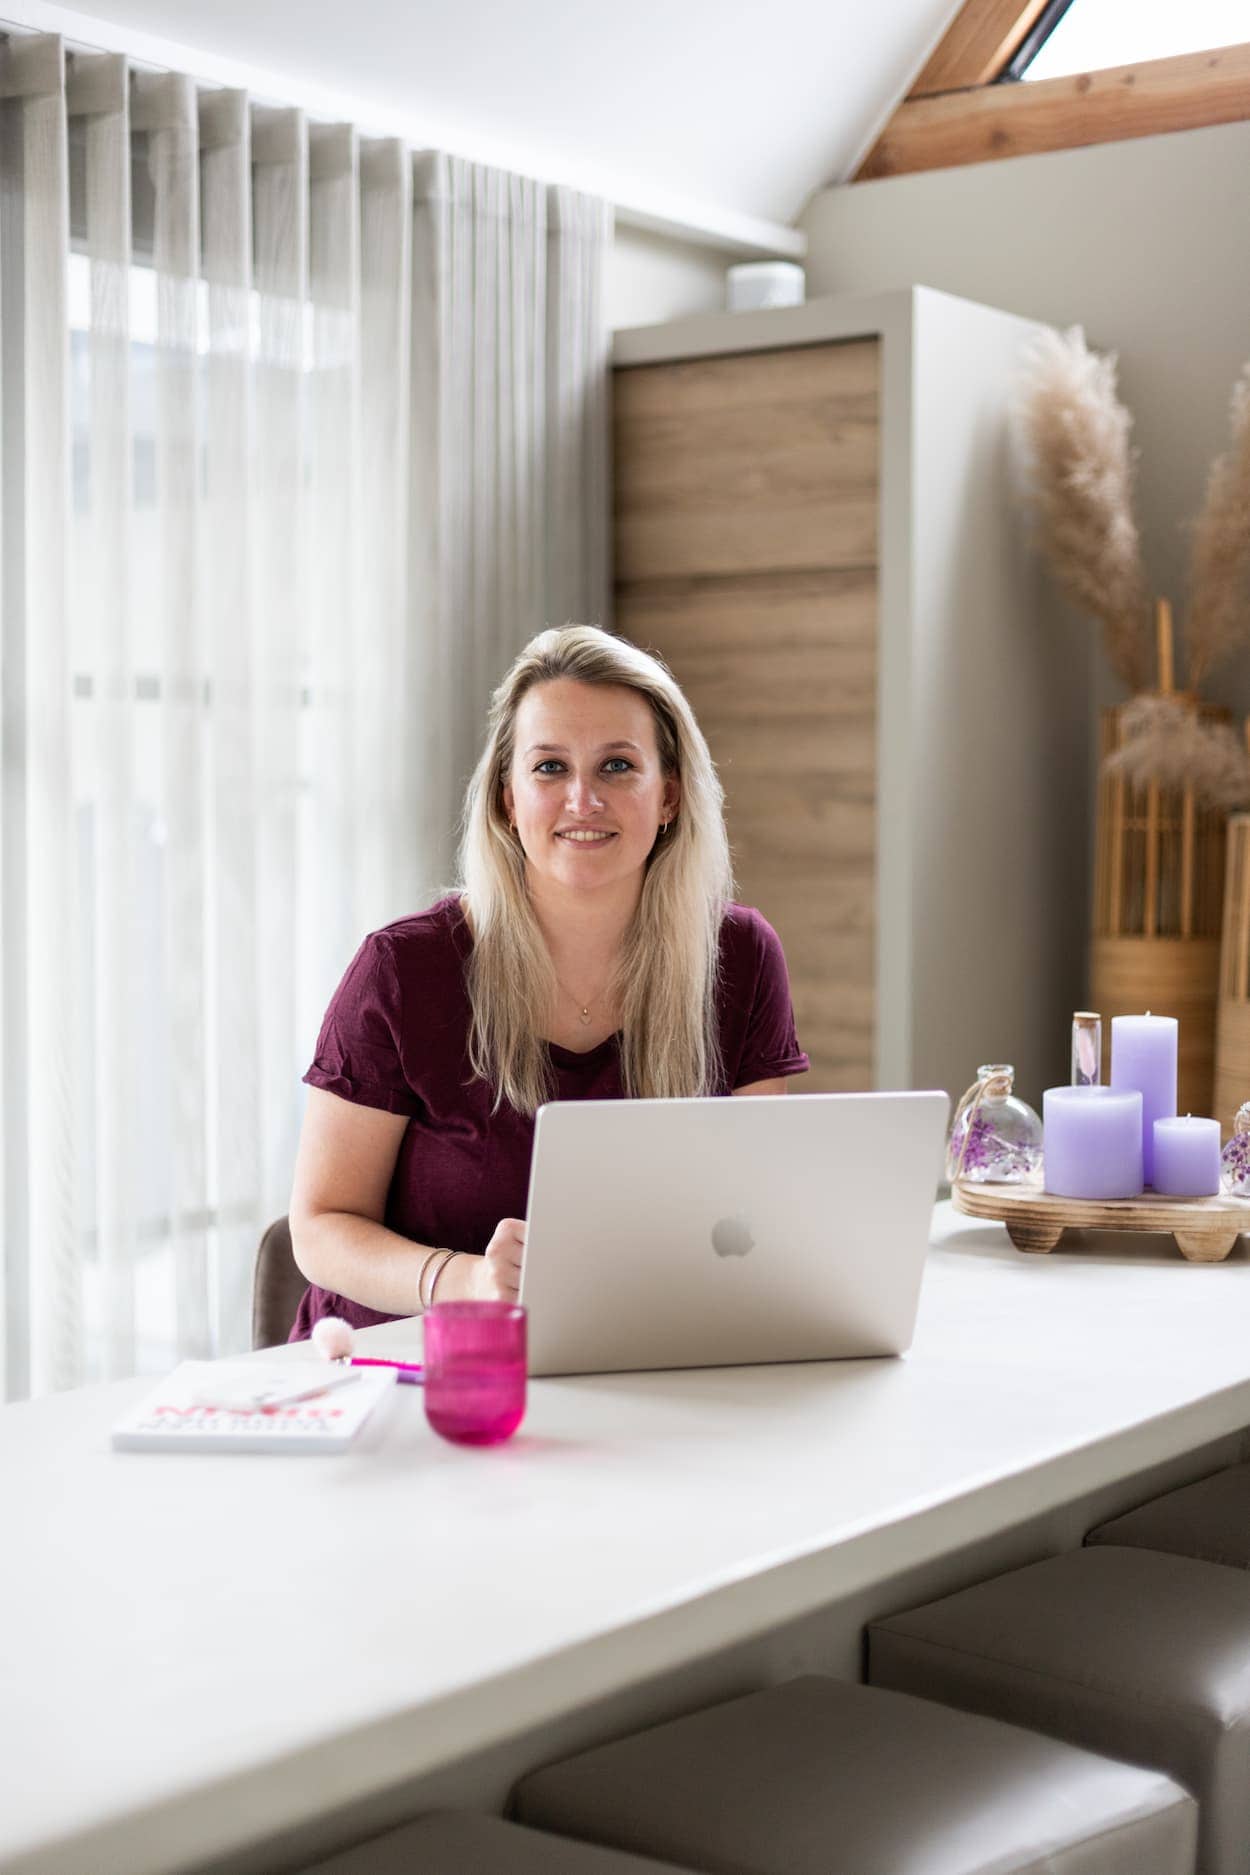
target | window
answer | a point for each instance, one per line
(1089, 35)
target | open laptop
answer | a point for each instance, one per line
(698, 1233)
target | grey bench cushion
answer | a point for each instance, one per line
(459, 1843)
(1209, 1521)
(1143, 1656)
(818, 1777)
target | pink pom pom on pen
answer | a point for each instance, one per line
(332, 1338)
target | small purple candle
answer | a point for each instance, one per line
(1187, 1157)
(1143, 1056)
(1092, 1144)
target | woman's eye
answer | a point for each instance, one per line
(615, 765)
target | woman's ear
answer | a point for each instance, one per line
(672, 796)
(506, 795)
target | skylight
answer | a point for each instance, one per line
(1096, 33)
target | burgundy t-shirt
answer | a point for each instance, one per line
(396, 1037)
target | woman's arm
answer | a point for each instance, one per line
(343, 1172)
(763, 1087)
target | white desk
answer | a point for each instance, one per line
(201, 1651)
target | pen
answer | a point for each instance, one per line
(266, 1398)
(332, 1338)
(411, 1373)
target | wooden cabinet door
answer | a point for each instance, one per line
(778, 660)
(747, 464)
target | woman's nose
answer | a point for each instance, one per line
(583, 797)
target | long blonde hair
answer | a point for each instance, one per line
(666, 982)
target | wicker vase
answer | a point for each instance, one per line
(1158, 904)
(1232, 1038)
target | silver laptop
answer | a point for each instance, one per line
(697, 1233)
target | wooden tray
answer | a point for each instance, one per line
(1205, 1229)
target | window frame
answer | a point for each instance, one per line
(965, 108)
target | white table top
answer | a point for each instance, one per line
(195, 1644)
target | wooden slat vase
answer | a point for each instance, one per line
(1232, 1038)
(1158, 906)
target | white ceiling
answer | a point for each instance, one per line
(744, 109)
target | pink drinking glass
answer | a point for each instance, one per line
(475, 1370)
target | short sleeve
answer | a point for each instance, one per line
(358, 1050)
(771, 1047)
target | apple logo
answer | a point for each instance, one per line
(731, 1237)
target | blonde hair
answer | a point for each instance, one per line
(666, 983)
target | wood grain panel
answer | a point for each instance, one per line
(781, 672)
(977, 44)
(995, 121)
(752, 463)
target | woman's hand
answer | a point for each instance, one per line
(495, 1277)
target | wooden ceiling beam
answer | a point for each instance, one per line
(1146, 100)
(977, 44)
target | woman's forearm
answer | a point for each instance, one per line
(362, 1260)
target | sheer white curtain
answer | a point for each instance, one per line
(509, 490)
(300, 438)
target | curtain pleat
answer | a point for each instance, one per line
(301, 438)
(332, 729)
(437, 500)
(42, 1006)
(578, 464)
(387, 753)
(280, 210)
(165, 107)
(228, 499)
(99, 106)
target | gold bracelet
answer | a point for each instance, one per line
(429, 1258)
(438, 1276)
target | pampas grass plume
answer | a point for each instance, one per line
(1219, 611)
(1168, 743)
(1079, 474)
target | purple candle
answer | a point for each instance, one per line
(1187, 1157)
(1092, 1144)
(1143, 1056)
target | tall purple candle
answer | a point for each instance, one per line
(1143, 1056)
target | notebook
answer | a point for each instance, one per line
(244, 1406)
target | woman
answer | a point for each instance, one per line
(593, 954)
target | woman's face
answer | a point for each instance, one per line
(586, 789)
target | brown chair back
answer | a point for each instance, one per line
(277, 1286)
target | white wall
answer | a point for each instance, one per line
(652, 278)
(1146, 244)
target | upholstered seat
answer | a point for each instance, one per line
(277, 1286)
(819, 1777)
(1142, 1656)
(1209, 1520)
(459, 1843)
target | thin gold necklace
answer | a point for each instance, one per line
(583, 1009)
